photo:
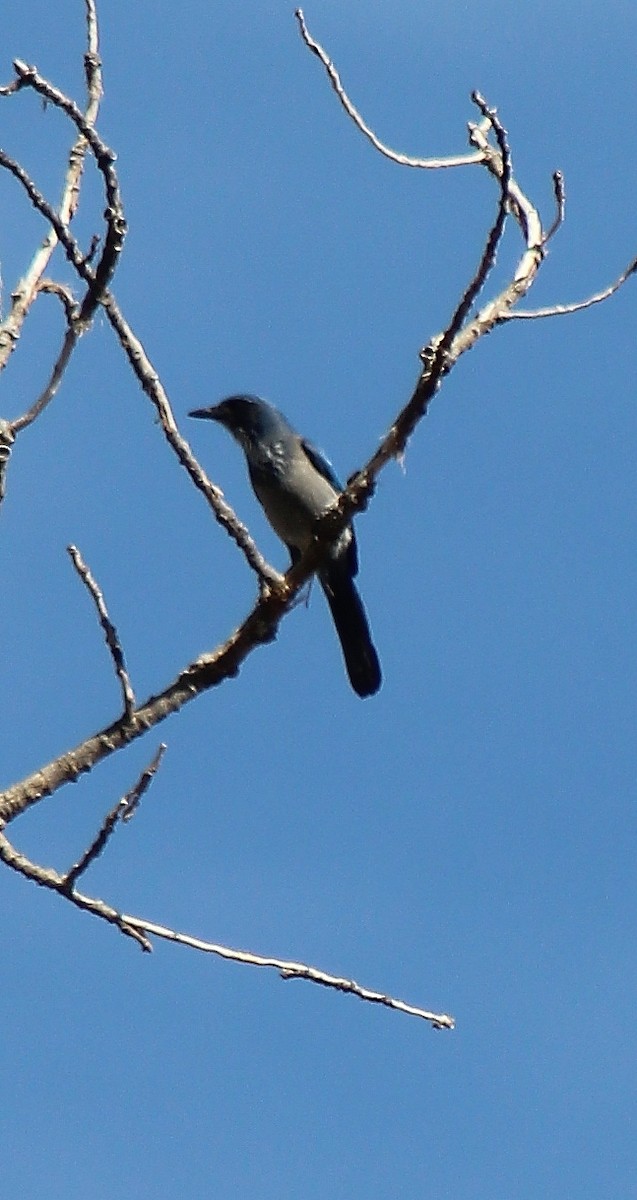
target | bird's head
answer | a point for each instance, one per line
(248, 418)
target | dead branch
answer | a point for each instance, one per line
(146, 375)
(140, 930)
(108, 629)
(559, 192)
(26, 290)
(403, 160)
(293, 970)
(563, 310)
(47, 877)
(122, 811)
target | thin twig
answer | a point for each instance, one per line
(140, 929)
(93, 248)
(7, 438)
(59, 226)
(207, 671)
(69, 343)
(290, 970)
(489, 253)
(96, 847)
(48, 878)
(149, 379)
(51, 287)
(105, 159)
(559, 191)
(562, 310)
(122, 811)
(109, 630)
(9, 89)
(132, 798)
(24, 293)
(404, 160)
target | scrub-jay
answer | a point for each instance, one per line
(294, 485)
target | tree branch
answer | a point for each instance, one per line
(26, 290)
(147, 377)
(404, 160)
(559, 192)
(122, 811)
(108, 629)
(562, 310)
(69, 343)
(140, 929)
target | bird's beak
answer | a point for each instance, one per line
(212, 413)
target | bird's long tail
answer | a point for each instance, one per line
(352, 627)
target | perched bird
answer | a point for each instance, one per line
(295, 484)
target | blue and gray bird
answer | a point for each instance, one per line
(294, 485)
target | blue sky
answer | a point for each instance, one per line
(466, 839)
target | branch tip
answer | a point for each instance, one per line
(110, 632)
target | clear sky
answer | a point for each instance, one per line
(466, 839)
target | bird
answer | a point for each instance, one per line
(294, 484)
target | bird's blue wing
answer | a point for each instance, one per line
(325, 468)
(322, 465)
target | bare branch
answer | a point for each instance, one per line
(205, 672)
(95, 849)
(47, 877)
(149, 379)
(109, 630)
(51, 287)
(132, 799)
(105, 159)
(493, 240)
(29, 76)
(139, 929)
(68, 346)
(528, 219)
(291, 970)
(7, 438)
(9, 89)
(404, 160)
(26, 290)
(59, 227)
(122, 811)
(562, 310)
(445, 349)
(559, 191)
(524, 212)
(69, 343)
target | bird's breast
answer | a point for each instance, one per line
(292, 494)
